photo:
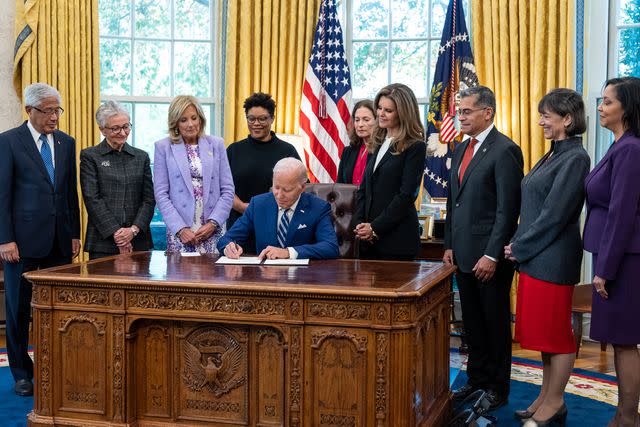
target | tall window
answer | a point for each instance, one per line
(395, 41)
(627, 38)
(152, 50)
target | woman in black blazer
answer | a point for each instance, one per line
(354, 157)
(386, 221)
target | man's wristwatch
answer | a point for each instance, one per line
(134, 230)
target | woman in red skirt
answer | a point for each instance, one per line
(548, 250)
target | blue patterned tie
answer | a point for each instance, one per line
(282, 228)
(45, 152)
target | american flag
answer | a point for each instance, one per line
(326, 98)
(455, 70)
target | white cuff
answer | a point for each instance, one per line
(491, 258)
(293, 254)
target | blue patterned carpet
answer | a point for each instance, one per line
(590, 396)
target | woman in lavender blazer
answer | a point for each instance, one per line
(612, 234)
(193, 185)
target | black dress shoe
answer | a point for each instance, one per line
(496, 400)
(464, 391)
(523, 414)
(23, 388)
(559, 418)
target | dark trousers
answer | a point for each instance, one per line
(487, 326)
(17, 294)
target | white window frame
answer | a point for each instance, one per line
(346, 10)
(215, 101)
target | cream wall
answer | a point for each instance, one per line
(10, 108)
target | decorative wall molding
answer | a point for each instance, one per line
(10, 108)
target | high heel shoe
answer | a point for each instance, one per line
(523, 414)
(560, 418)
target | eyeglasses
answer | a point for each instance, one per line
(117, 129)
(468, 111)
(262, 119)
(50, 111)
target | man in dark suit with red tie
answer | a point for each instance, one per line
(482, 214)
(39, 214)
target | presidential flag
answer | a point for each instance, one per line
(455, 70)
(326, 98)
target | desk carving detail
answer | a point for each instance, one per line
(340, 311)
(217, 304)
(212, 361)
(71, 296)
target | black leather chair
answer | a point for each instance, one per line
(342, 198)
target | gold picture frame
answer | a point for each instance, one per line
(426, 221)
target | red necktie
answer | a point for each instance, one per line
(466, 158)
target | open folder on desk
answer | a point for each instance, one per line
(254, 260)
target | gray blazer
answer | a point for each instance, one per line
(547, 244)
(118, 192)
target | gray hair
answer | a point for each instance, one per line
(108, 110)
(291, 163)
(486, 97)
(36, 92)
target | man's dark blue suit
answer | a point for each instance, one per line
(41, 217)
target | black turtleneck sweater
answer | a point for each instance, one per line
(252, 163)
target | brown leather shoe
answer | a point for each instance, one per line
(23, 388)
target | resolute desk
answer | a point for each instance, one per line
(149, 339)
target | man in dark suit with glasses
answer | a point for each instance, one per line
(40, 216)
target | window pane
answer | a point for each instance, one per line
(192, 69)
(423, 117)
(114, 17)
(370, 68)
(435, 51)
(628, 50)
(438, 14)
(152, 19)
(150, 125)
(115, 67)
(410, 18)
(409, 65)
(193, 19)
(151, 68)
(629, 12)
(206, 109)
(370, 19)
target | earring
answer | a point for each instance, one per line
(176, 132)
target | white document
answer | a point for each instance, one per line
(189, 253)
(302, 261)
(242, 260)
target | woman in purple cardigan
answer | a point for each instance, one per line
(192, 180)
(612, 234)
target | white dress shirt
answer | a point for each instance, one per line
(382, 151)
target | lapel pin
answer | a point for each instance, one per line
(484, 150)
(301, 210)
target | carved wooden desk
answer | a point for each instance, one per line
(153, 340)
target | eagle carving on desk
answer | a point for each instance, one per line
(217, 372)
